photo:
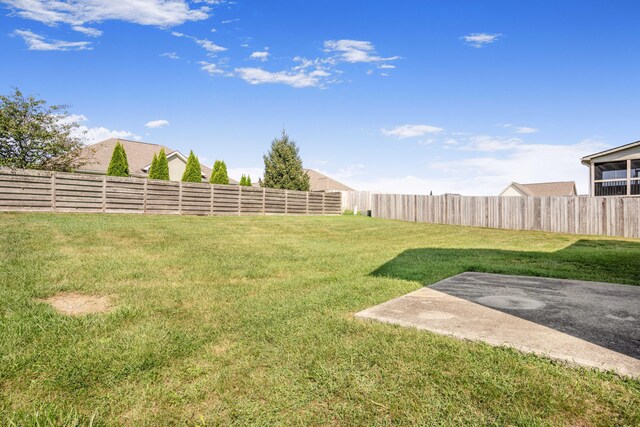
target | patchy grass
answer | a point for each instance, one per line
(249, 321)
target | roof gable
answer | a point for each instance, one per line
(563, 188)
(139, 156)
(586, 159)
(321, 182)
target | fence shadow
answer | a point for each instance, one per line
(610, 261)
(604, 314)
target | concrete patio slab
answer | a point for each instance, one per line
(442, 313)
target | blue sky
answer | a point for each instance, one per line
(394, 96)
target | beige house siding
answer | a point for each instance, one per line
(512, 191)
(176, 168)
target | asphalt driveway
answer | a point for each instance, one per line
(604, 314)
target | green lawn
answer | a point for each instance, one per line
(249, 320)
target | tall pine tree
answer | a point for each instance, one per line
(162, 168)
(118, 166)
(154, 166)
(245, 181)
(193, 171)
(219, 173)
(283, 166)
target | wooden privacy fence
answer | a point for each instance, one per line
(605, 216)
(27, 190)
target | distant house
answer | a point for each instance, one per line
(321, 182)
(615, 172)
(566, 188)
(139, 155)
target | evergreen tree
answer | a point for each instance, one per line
(193, 171)
(162, 168)
(219, 173)
(283, 166)
(248, 180)
(243, 180)
(118, 166)
(153, 170)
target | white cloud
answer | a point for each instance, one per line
(38, 42)
(480, 39)
(409, 131)
(253, 172)
(162, 13)
(91, 32)
(170, 55)
(386, 66)
(213, 69)
(487, 176)
(296, 78)
(210, 46)
(491, 143)
(525, 129)
(153, 124)
(354, 51)
(229, 21)
(262, 56)
(92, 135)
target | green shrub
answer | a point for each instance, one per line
(219, 173)
(162, 168)
(192, 172)
(118, 166)
(153, 168)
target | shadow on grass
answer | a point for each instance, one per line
(593, 260)
(606, 315)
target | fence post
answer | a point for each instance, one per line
(239, 200)
(307, 210)
(211, 210)
(264, 201)
(286, 201)
(104, 193)
(53, 191)
(323, 193)
(180, 199)
(144, 197)
(415, 208)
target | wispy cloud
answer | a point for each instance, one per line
(170, 55)
(213, 69)
(161, 13)
(410, 131)
(88, 31)
(37, 42)
(229, 21)
(153, 124)
(260, 55)
(92, 135)
(525, 129)
(481, 39)
(206, 44)
(354, 51)
(297, 79)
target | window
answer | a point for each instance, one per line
(635, 169)
(611, 170)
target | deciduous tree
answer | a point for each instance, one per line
(34, 135)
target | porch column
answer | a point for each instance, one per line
(628, 177)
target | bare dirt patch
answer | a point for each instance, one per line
(74, 304)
